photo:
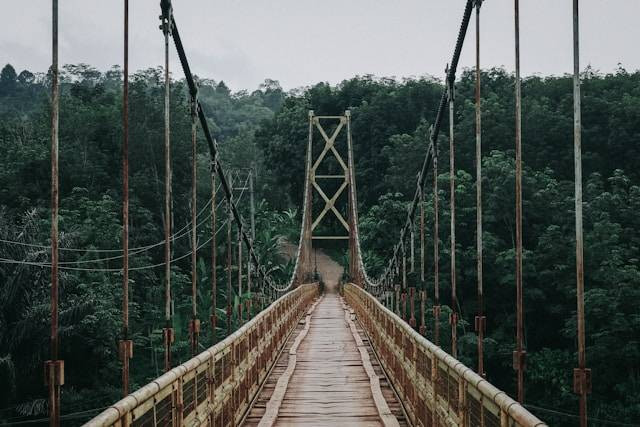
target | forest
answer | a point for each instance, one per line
(267, 128)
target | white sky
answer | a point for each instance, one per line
(301, 42)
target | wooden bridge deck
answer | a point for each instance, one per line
(327, 375)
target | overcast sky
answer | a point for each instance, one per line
(301, 42)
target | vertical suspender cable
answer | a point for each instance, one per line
(413, 248)
(436, 261)
(422, 248)
(168, 330)
(404, 281)
(453, 320)
(229, 258)
(126, 345)
(253, 232)
(214, 272)
(519, 354)
(249, 300)
(436, 241)
(480, 322)
(240, 310)
(581, 375)
(423, 286)
(54, 367)
(194, 328)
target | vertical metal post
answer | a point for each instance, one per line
(404, 282)
(214, 249)
(249, 273)
(423, 301)
(54, 368)
(436, 244)
(412, 299)
(480, 322)
(240, 313)
(126, 345)
(168, 330)
(581, 375)
(453, 320)
(229, 260)
(422, 248)
(252, 176)
(519, 354)
(423, 285)
(194, 327)
(413, 249)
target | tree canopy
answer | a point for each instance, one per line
(268, 128)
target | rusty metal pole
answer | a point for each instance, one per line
(480, 322)
(519, 354)
(422, 248)
(229, 261)
(194, 327)
(404, 282)
(240, 313)
(168, 329)
(126, 345)
(54, 368)
(453, 319)
(412, 301)
(252, 176)
(413, 249)
(581, 375)
(249, 273)
(423, 287)
(436, 240)
(214, 249)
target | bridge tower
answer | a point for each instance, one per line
(328, 169)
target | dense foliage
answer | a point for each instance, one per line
(90, 218)
(390, 126)
(269, 128)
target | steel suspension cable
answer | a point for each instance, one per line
(432, 148)
(167, 14)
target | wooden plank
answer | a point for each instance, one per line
(330, 384)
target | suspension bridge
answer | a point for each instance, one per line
(353, 352)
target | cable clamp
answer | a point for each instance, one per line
(519, 360)
(54, 372)
(582, 380)
(125, 348)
